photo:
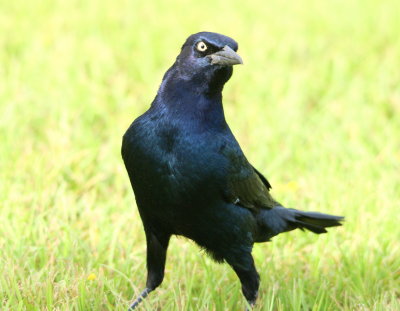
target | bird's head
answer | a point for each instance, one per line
(206, 59)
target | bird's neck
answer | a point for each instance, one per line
(191, 101)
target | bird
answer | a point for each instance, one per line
(190, 176)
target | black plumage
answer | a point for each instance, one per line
(190, 176)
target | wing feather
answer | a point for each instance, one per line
(247, 187)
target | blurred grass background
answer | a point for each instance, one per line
(316, 107)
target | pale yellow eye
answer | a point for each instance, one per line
(201, 46)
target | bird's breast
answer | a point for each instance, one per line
(174, 164)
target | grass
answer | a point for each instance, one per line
(316, 107)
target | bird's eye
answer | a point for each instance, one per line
(201, 46)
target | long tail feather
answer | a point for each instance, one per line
(316, 222)
(281, 219)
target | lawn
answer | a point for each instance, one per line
(316, 107)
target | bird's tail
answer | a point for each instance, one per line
(281, 219)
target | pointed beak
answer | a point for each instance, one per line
(225, 57)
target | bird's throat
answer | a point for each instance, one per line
(189, 104)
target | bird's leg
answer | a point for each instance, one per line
(156, 256)
(139, 299)
(249, 278)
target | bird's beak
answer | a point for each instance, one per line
(225, 57)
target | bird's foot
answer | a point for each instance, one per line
(139, 299)
(250, 305)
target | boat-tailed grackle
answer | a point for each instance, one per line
(190, 176)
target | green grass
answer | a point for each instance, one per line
(316, 107)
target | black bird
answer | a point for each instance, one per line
(190, 176)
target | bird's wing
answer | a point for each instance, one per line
(263, 179)
(246, 186)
